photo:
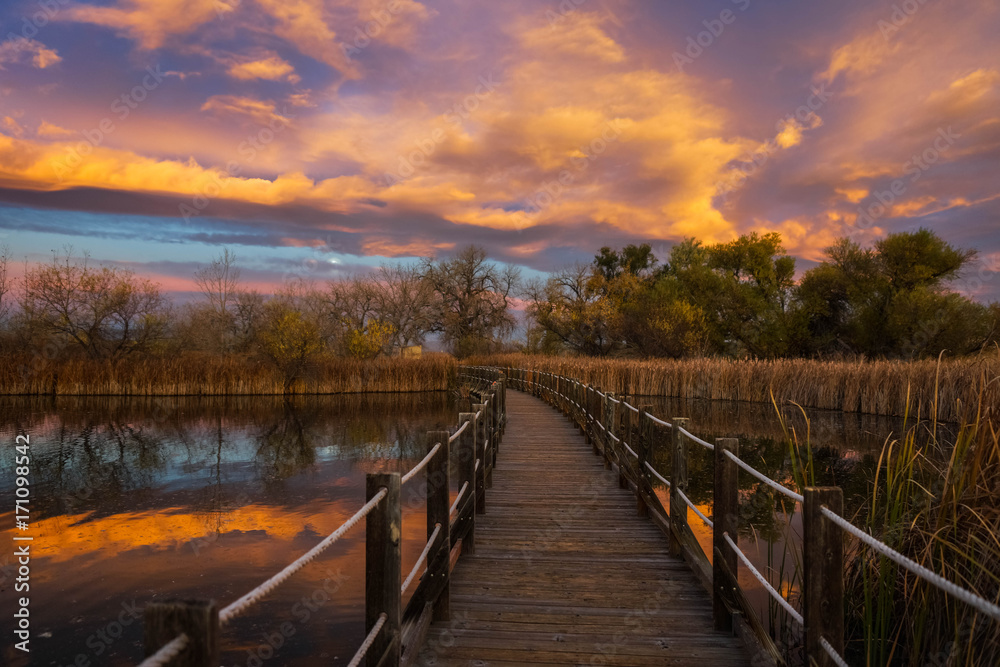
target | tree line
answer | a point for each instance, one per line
(739, 299)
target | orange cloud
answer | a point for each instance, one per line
(50, 131)
(270, 68)
(150, 22)
(577, 34)
(21, 50)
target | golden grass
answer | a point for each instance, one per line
(205, 375)
(874, 387)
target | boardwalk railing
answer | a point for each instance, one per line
(625, 436)
(186, 633)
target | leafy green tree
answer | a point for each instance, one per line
(891, 300)
(632, 259)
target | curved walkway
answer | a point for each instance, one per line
(565, 572)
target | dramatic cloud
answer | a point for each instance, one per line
(541, 130)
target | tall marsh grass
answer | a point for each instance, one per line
(207, 375)
(874, 387)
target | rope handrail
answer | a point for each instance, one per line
(418, 567)
(477, 463)
(454, 436)
(613, 400)
(979, 603)
(630, 407)
(832, 652)
(369, 640)
(709, 446)
(658, 475)
(239, 606)
(630, 450)
(659, 421)
(695, 509)
(420, 466)
(458, 498)
(167, 652)
(797, 497)
(764, 582)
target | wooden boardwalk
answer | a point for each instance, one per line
(565, 572)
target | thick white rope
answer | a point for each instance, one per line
(630, 450)
(832, 653)
(764, 582)
(977, 602)
(764, 478)
(420, 466)
(458, 498)
(613, 400)
(630, 407)
(419, 566)
(454, 436)
(695, 509)
(701, 442)
(659, 421)
(477, 464)
(167, 652)
(657, 475)
(369, 640)
(241, 605)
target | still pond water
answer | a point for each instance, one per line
(143, 499)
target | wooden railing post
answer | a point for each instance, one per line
(609, 425)
(643, 448)
(467, 475)
(725, 510)
(383, 563)
(198, 619)
(439, 512)
(491, 439)
(823, 576)
(480, 487)
(678, 482)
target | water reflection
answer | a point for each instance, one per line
(140, 499)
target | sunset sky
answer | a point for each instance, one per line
(319, 137)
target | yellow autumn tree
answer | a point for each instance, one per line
(370, 340)
(290, 341)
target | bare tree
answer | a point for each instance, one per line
(219, 282)
(6, 282)
(404, 301)
(106, 311)
(472, 300)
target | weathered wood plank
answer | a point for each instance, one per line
(565, 572)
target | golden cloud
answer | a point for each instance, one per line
(270, 68)
(150, 22)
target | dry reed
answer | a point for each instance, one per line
(873, 387)
(205, 375)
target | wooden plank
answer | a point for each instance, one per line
(564, 571)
